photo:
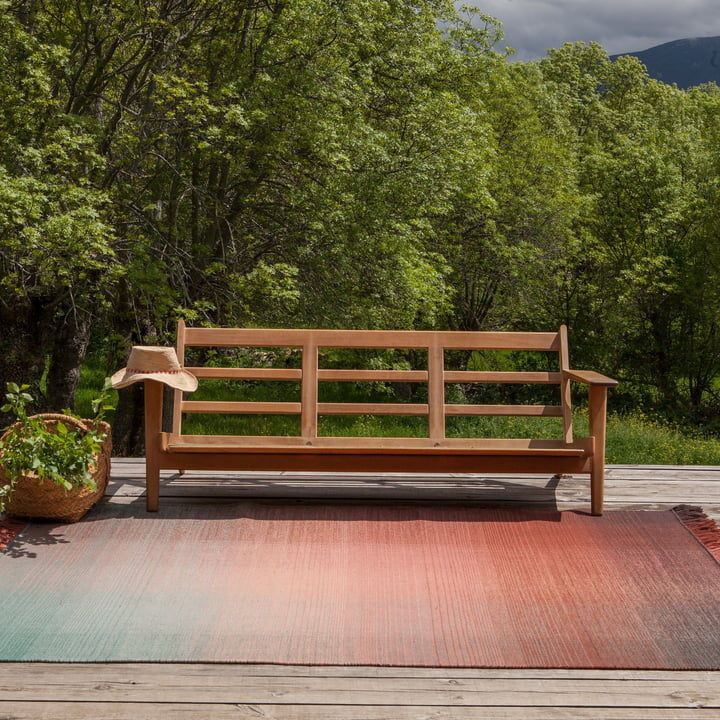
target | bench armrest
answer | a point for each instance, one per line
(597, 387)
(589, 377)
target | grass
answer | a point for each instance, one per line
(90, 387)
(635, 439)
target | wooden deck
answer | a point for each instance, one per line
(215, 692)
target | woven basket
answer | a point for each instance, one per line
(31, 498)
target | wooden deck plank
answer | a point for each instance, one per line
(243, 711)
(626, 487)
(233, 684)
(196, 691)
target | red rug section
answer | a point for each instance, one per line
(366, 585)
(10, 528)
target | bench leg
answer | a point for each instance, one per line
(597, 486)
(598, 417)
(152, 486)
(153, 428)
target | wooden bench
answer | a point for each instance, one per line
(309, 451)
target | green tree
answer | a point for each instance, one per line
(511, 247)
(56, 254)
(646, 266)
(275, 162)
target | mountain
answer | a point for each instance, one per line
(686, 63)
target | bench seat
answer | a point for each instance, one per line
(380, 446)
(394, 455)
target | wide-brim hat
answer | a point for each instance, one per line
(148, 362)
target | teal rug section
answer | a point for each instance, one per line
(323, 584)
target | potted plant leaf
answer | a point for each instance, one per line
(52, 465)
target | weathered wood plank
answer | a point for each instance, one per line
(173, 684)
(408, 496)
(666, 472)
(652, 489)
(627, 487)
(243, 711)
(626, 477)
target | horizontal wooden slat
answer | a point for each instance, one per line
(246, 373)
(372, 409)
(407, 409)
(294, 408)
(247, 408)
(458, 376)
(281, 444)
(504, 410)
(237, 441)
(374, 375)
(401, 339)
(475, 376)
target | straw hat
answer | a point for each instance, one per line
(147, 362)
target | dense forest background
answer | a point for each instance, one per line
(348, 163)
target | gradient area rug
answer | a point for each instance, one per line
(368, 585)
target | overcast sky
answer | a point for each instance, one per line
(620, 26)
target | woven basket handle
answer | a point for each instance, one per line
(67, 419)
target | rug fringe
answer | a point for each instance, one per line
(705, 529)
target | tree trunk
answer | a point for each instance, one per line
(22, 356)
(70, 343)
(128, 429)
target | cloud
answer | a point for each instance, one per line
(531, 27)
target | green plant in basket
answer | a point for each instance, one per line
(61, 449)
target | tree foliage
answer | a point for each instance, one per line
(357, 164)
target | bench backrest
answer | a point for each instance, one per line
(311, 343)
